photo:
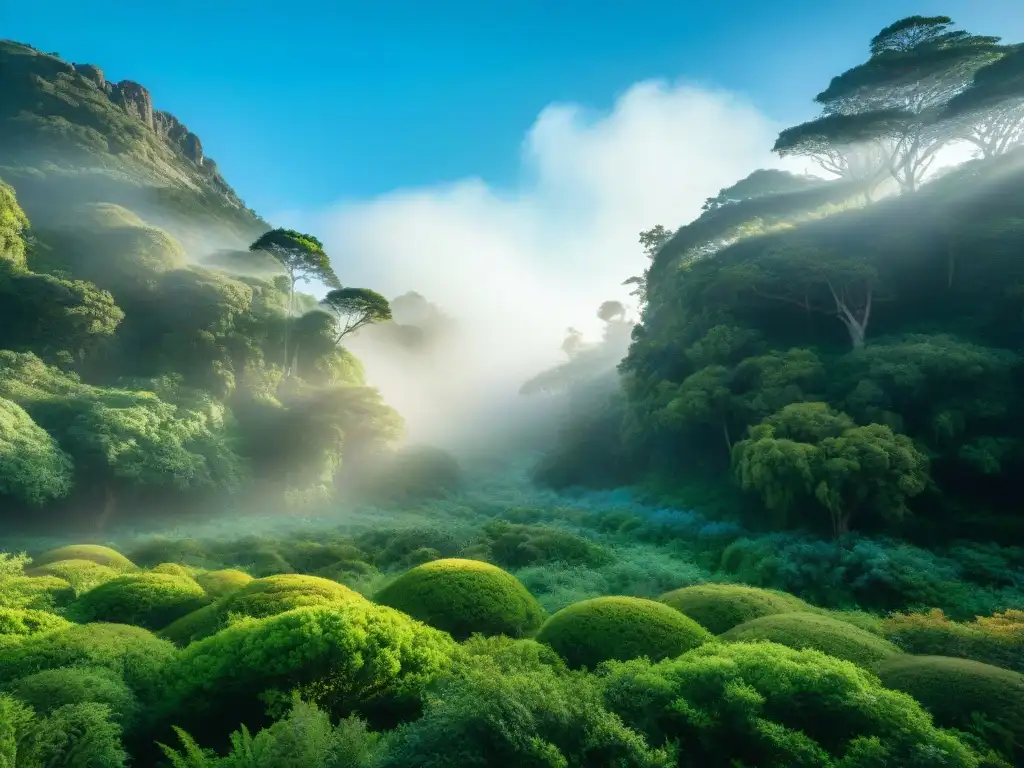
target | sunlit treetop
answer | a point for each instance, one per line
(1000, 83)
(301, 255)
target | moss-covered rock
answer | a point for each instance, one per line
(818, 631)
(82, 575)
(720, 607)
(94, 553)
(23, 622)
(463, 597)
(953, 690)
(621, 628)
(150, 600)
(42, 593)
(51, 689)
(258, 598)
(220, 583)
(132, 653)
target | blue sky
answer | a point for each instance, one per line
(308, 102)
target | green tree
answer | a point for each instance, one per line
(303, 258)
(990, 113)
(33, 468)
(352, 308)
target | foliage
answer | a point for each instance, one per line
(27, 621)
(82, 575)
(150, 600)
(52, 689)
(820, 632)
(35, 592)
(720, 607)
(996, 639)
(353, 308)
(75, 734)
(462, 597)
(766, 705)
(957, 691)
(603, 628)
(220, 583)
(94, 553)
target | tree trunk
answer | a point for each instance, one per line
(288, 323)
(109, 508)
(728, 439)
(856, 326)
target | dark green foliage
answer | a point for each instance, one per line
(592, 631)
(51, 689)
(820, 632)
(720, 607)
(349, 657)
(462, 597)
(75, 734)
(353, 308)
(766, 705)
(514, 546)
(957, 691)
(150, 600)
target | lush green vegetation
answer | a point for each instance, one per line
(778, 527)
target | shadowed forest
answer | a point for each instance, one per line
(768, 519)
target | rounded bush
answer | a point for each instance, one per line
(94, 553)
(720, 607)
(150, 600)
(82, 575)
(132, 653)
(774, 707)
(258, 598)
(463, 597)
(220, 583)
(53, 688)
(603, 628)
(954, 689)
(172, 569)
(820, 632)
(996, 639)
(36, 592)
(25, 621)
(350, 656)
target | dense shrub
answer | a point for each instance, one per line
(51, 689)
(774, 707)
(91, 552)
(172, 569)
(132, 653)
(531, 715)
(73, 735)
(223, 582)
(25, 621)
(820, 632)
(956, 691)
(348, 657)
(465, 596)
(997, 639)
(517, 546)
(603, 628)
(150, 600)
(720, 607)
(82, 575)
(36, 592)
(258, 598)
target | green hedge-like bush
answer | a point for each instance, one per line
(132, 653)
(996, 639)
(172, 569)
(36, 592)
(94, 553)
(25, 621)
(603, 628)
(223, 582)
(351, 656)
(765, 705)
(953, 690)
(257, 599)
(720, 607)
(463, 597)
(82, 575)
(51, 689)
(150, 600)
(820, 632)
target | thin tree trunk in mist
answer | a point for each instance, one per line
(109, 508)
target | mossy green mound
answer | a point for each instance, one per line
(720, 607)
(42, 593)
(818, 631)
(150, 600)
(352, 655)
(258, 598)
(51, 689)
(172, 569)
(223, 582)
(953, 690)
(132, 653)
(463, 597)
(25, 621)
(82, 575)
(94, 553)
(620, 628)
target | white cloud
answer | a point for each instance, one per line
(518, 266)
